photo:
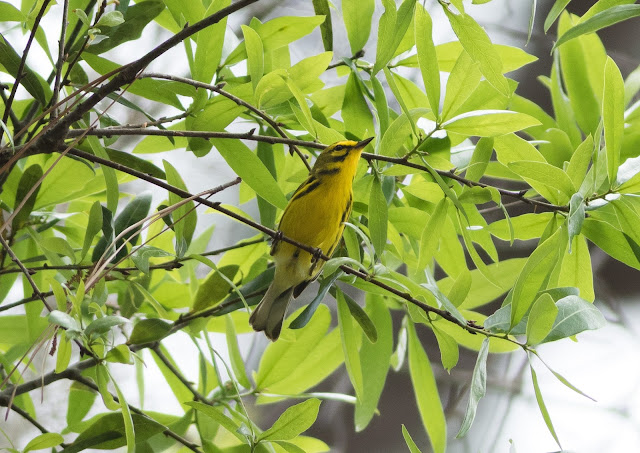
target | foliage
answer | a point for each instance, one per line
(125, 273)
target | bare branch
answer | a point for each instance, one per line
(20, 74)
(218, 89)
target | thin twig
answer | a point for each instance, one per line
(61, 54)
(276, 235)
(128, 73)
(108, 132)
(26, 300)
(176, 372)
(118, 131)
(33, 421)
(167, 432)
(20, 74)
(25, 272)
(218, 89)
(169, 265)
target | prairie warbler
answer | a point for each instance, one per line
(315, 216)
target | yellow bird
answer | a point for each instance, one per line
(315, 216)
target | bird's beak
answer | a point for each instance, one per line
(363, 143)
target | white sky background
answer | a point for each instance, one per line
(604, 364)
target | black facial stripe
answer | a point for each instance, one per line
(338, 157)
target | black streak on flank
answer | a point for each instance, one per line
(328, 171)
(307, 189)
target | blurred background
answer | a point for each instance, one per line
(604, 364)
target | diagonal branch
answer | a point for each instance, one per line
(25, 271)
(129, 72)
(218, 89)
(20, 74)
(276, 235)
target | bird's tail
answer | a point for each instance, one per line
(269, 313)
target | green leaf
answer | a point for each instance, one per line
(321, 8)
(374, 358)
(149, 330)
(555, 11)
(119, 354)
(110, 19)
(463, 80)
(94, 225)
(132, 214)
(426, 392)
(576, 217)
(251, 169)
(291, 367)
(184, 217)
(535, 273)
(599, 21)
(391, 29)
(144, 253)
(449, 351)
(215, 287)
(613, 114)
(216, 414)
(31, 81)
(479, 47)
(103, 325)
(575, 315)
(378, 217)
(10, 13)
(545, 178)
(307, 313)
(58, 245)
(489, 123)
(129, 429)
(357, 19)
(541, 318)
(28, 179)
(293, 422)
(579, 163)
(478, 388)
(209, 42)
(46, 440)
(63, 356)
(427, 58)
(480, 159)
(64, 320)
(542, 406)
(237, 364)
(413, 448)
(350, 345)
(431, 234)
(108, 432)
(255, 54)
(612, 241)
(136, 18)
(397, 133)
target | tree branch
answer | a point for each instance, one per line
(20, 74)
(163, 358)
(25, 271)
(218, 89)
(128, 73)
(33, 421)
(169, 265)
(117, 131)
(108, 132)
(276, 235)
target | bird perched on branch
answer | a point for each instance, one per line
(315, 217)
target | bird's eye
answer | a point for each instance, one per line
(338, 148)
